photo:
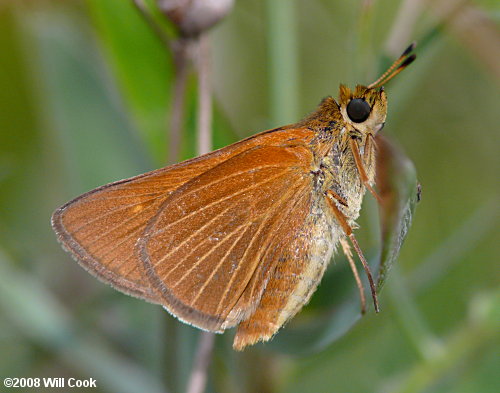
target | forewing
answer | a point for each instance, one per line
(221, 233)
(101, 228)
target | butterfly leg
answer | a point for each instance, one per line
(348, 253)
(368, 150)
(361, 169)
(348, 232)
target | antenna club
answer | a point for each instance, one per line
(410, 49)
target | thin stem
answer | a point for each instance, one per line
(364, 39)
(283, 67)
(180, 49)
(198, 378)
(402, 28)
(181, 63)
(204, 96)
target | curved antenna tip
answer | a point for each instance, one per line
(410, 49)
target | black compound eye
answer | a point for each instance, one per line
(358, 110)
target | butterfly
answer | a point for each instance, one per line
(239, 237)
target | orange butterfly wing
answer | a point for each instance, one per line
(219, 235)
(101, 228)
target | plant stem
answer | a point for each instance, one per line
(204, 118)
(283, 67)
(402, 28)
(198, 377)
(364, 37)
(181, 49)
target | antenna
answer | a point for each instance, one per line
(399, 65)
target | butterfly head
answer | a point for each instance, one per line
(363, 108)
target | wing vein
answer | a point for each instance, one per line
(217, 245)
(219, 265)
(261, 226)
(266, 249)
(194, 233)
(131, 195)
(105, 233)
(109, 212)
(201, 208)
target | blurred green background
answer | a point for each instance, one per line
(85, 94)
